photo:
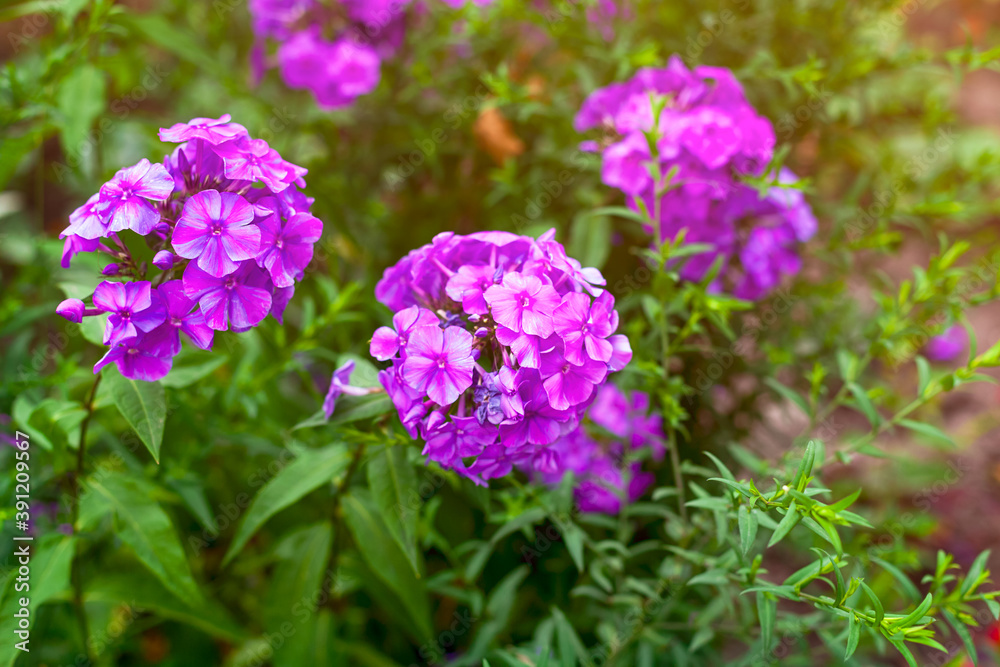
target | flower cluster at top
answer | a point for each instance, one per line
(696, 133)
(498, 345)
(334, 50)
(230, 233)
(604, 477)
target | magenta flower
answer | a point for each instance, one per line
(215, 229)
(711, 136)
(253, 160)
(566, 384)
(542, 422)
(182, 316)
(132, 310)
(286, 251)
(387, 343)
(212, 130)
(451, 440)
(90, 221)
(493, 462)
(238, 300)
(626, 165)
(340, 383)
(71, 309)
(137, 359)
(129, 193)
(164, 260)
(439, 362)
(467, 286)
(584, 328)
(948, 345)
(74, 245)
(354, 68)
(523, 304)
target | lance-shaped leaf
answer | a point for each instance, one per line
(144, 406)
(147, 529)
(302, 476)
(393, 485)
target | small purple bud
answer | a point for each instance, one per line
(71, 309)
(164, 260)
(482, 332)
(111, 270)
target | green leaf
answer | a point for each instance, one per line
(190, 366)
(905, 652)
(864, 403)
(972, 576)
(570, 647)
(723, 470)
(393, 485)
(789, 394)
(158, 30)
(853, 635)
(144, 406)
(590, 240)
(147, 529)
(876, 603)
(963, 632)
(932, 432)
(14, 150)
(747, 520)
(302, 476)
(49, 577)
(786, 524)
(384, 558)
(767, 612)
(504, 595)
(355, 408)
(923, 375)
(903, 580)
(80, 99)
(573, 536)
(295, 587)
(137, 589)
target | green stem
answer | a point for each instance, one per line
(80, 610)
(338, 540)
(675, 462)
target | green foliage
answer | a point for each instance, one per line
(219, 514)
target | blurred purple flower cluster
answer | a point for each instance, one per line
(332, 49)
(699, 125)
(229, 230)
(604, 476)
(499, 344)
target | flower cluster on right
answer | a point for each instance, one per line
(699, 126)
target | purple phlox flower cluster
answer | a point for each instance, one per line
(948, 345)
(698, 124)
(230, 233)
(605, 472)
(334, 49)
(498, 344)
